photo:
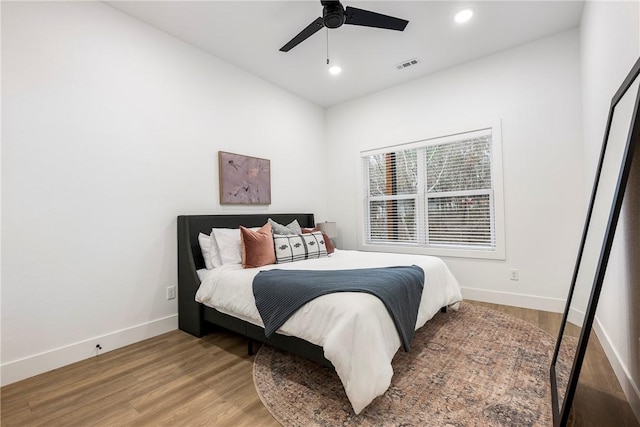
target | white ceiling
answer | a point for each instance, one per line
(249, 35)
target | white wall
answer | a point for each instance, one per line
(110, 130)
(535, 90)
(610, 45)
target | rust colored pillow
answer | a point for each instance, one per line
(257, 247)
(327, 240)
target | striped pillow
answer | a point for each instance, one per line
(298, 247)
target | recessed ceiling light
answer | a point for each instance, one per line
(335, 70)
(463, 16)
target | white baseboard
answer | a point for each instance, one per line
(33, 365)
(629, 387)
(554, 305)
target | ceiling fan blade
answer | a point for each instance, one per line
(365, 18)
(311, 29)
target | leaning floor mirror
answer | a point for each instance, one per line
(620, 139)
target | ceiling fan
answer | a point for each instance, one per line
(334, 15)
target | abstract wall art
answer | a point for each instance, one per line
(244, 180)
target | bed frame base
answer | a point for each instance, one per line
(256, 333)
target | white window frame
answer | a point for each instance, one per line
(498, 252)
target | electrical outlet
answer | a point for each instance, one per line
(171, 292)
(515, 275)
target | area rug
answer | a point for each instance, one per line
(472, 367)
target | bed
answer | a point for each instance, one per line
(358, 344)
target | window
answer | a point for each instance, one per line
(442, 194)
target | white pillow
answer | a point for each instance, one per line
(225, 246)
(205, 248)
(298, 247)
(228, 245)
(214, 252)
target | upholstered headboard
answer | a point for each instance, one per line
(190, 257)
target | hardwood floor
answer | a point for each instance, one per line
(176, 379)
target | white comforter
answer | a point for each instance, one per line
(355, 329)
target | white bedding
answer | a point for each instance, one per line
(355, 329)
(202, 273)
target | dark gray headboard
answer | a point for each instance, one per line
(190, 257)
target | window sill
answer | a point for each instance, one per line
(439, 252)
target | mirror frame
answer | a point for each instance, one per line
(561, 411)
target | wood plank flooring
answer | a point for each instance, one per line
(179, 380)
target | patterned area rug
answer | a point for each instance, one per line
(473, 367)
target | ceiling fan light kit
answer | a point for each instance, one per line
(334, 15)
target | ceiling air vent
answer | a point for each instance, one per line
(407, 63)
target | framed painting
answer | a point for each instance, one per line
(244, 180)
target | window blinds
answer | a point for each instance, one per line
(437, 192)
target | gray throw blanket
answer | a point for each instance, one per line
(280, 293)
